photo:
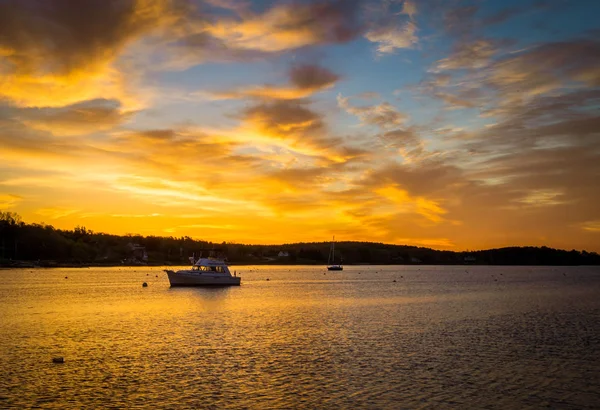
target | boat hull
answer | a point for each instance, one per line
(335, 268)
(177, 279)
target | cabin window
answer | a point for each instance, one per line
(220, 269)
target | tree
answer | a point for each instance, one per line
(10, 219)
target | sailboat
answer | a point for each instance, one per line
(331, 265)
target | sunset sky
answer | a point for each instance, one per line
(441, 123)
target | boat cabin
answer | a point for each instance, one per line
(203, 268)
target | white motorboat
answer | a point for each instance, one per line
(210, 271)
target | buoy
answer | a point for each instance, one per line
(58, 360)
(66, 277)
(267, 278)
(145, 284)
(394, 280)
(157, 276)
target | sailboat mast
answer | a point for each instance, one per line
(333, 250)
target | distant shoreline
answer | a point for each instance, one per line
(33, 265)
(31, 245)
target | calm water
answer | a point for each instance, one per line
(438, 337)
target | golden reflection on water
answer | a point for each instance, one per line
(436, 337)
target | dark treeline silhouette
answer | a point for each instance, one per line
(26, 244)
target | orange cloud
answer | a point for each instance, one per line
(546, 68)
(95, 58)
(543, 197)
(81, 118)
(474, 55)
(8, 201)
(305, 81)
(383, 115)
(387, 32)
(91, 34)
(295, 126)
(409, 7)
(404, 202)
(56, 212)
(497, 83)
(289, 26)
(392, 37)
(591, 226)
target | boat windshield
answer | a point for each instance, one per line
(220, 269)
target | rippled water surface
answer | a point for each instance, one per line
(368, 337)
